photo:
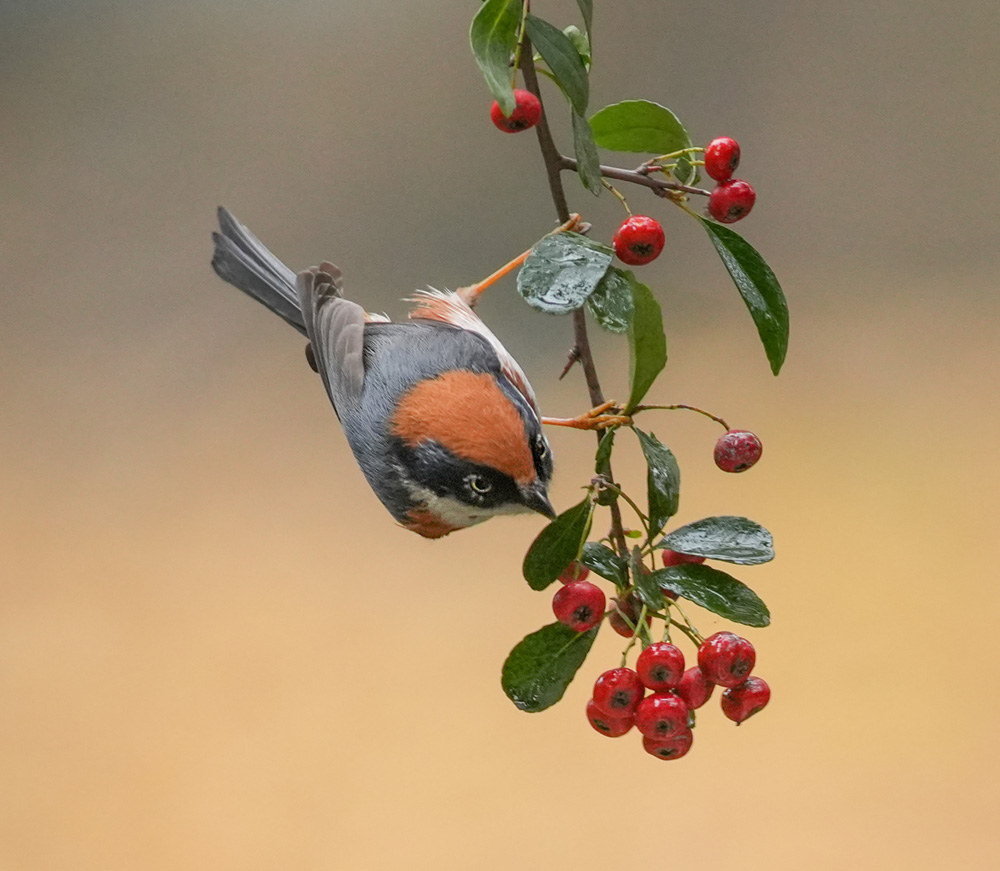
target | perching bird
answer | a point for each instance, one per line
(439, 416)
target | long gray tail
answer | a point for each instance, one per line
(241, 259)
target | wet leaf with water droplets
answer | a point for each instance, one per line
(562, 271)
(730, 539)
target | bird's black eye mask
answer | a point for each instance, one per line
(437, 469)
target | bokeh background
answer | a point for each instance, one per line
(216, 649)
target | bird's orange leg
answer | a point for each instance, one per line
(596, 418)
(471, 293)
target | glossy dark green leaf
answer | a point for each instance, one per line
(684, 171)
(538, 670)
(588, 162)
(587, 11)
(663, 480)
(557, 545)
(602, 459)
(562, 59)
(611, 302)
(562, 271)
(639, 125)
(581, 42)
(720, 593)
(645, 583)
(605, 562)
(493, 37)
(647, 343)
(759, 288)
(730, 539)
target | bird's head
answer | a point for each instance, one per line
(471, 447)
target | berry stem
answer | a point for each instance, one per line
(639, 626)
(610, 485)
(525, 8)
(694, 637)
(553, 167)
(618, 194)
(657, 185)
(718, 420)
(690, 626)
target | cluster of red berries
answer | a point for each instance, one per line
(732, 198)
(665, 716)
(640, 239)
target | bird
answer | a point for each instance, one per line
(439, 416)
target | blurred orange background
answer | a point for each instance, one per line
(217, 650)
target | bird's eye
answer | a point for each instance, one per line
(478, 484)
(540, 447)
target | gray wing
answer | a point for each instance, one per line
(335, 327)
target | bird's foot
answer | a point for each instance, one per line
(602, 417)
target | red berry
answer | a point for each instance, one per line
(673, 747)
(613, 727)
(618, 692)
(726, 659)
(737, 450)
(742, 702)
(579, 605)
(527, 111)
(721, 158)
(574, 572)
(639, 240)
(674, 558)
(661, 715)
(731, 200)
(631, 608)
(660, 666)
(695, 688)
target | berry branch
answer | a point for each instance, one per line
(659, 186)
(570, 273)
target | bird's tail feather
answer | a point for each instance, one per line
(242, 259)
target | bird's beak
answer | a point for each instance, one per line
(535, 498)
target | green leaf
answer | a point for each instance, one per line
(611, 302)
(587, 11)
(684, 171)
(759, 288)
(647, 343)
(730, 539)
(588, 162)
(493, 36)
(562, 59)
(562, 271)
(538, 670)
(639, 125)
(557, 545)
(720, 593)
(645, 583)
(605, 562)
(581, 42)
(663, 480)
(602, 459)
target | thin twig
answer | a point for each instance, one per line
(573, 357)
(630, 175)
